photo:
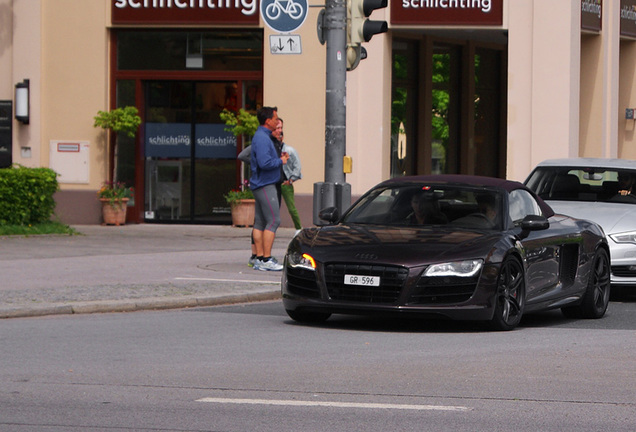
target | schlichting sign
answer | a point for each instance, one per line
(185, 11)
(628, 18)
(447, 12)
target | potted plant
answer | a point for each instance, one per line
(242, 205)
(243, 123)
(124, 119)
(114, 198)
(241, 200)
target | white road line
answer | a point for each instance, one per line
(227, 280)
(333, 404)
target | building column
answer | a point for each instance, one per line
(543, 82)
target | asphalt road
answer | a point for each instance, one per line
(250, 368)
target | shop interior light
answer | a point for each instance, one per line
(22, 101)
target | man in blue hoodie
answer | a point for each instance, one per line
(266, 166)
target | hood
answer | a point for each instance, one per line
(613, 217)
(396, 245)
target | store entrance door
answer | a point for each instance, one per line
(190, 160)
(449, 107)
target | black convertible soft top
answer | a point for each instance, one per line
(475, 181)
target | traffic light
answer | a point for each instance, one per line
(360, 29)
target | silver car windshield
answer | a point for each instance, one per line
(429, 205)
(584, 184)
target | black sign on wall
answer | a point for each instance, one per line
(628, 18)
(6, 137)
(592, 15)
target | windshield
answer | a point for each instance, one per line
(429, 205)
(584, 184)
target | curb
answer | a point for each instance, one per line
(109, 306)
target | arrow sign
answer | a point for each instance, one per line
(285, 44)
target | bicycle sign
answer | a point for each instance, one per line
(284, 16)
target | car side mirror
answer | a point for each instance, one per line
(534, 223)
(329, 214)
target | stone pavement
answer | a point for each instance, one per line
(132, 267)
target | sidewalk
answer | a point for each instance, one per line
(132, 267)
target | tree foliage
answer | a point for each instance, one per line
(243, 123)
(125, 120)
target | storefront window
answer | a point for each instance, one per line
(403, 114)
(448, 108)
(177, 50)
(445, 108)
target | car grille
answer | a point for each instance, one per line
(302, 282)
(392, 279)
(443, 290)
(623, 271)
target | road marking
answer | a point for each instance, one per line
(227, 280)
(333, 404)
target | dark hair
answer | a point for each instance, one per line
(486, 199)
(265, 113)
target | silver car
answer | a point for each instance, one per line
(601, 190)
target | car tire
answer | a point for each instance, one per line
(308, 317)
(510, 298)
(597, 293)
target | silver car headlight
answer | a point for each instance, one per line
(626, 237)
(465, 268)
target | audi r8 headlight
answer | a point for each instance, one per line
(465, 268)
(297, 259)
(626, 237)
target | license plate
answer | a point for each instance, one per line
(362, 280)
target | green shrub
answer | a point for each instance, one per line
(26, 195)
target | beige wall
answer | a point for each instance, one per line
(610, 66)
(591, 110)
(75, 67)
(25, 63)
(369, 115)
(627, 99)
(567, 92)
(543, 82)
(6, 50)
(61, 47)
(294, 83)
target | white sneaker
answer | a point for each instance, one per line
(270, 265)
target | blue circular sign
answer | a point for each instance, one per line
(284, 16)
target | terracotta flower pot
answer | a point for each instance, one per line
(243, 213)
(114, 213)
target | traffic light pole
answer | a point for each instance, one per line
(334, 192)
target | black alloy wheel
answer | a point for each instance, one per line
(510, 299)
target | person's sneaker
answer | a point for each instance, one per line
(251, 262)
(269, 265)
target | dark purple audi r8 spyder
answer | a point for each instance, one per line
(460, 247)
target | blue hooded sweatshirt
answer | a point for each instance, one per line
(264, 161)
